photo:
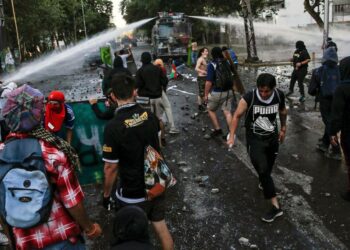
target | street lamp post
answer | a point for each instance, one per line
(82, 9)
(326, 23)
(17, 35)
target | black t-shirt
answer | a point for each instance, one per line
(300, 56)
(261, 116)
(125, 138)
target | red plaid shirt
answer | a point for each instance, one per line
(68, 193)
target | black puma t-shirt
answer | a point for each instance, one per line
(261, 116)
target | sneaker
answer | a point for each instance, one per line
(302, 99)
(4, 240)
(346, 196)
(322, 147)
(216, 132)
(272, 214)
(174, 131)
(333, 156)
(289, 93)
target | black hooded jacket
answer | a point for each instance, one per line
(341, 101)
(150, 79)
(300, 55)
(118, 68)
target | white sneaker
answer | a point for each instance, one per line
(3, 240)
(174, 131)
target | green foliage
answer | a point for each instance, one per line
(42, 23)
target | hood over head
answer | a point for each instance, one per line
(118, 62)
(330, 55)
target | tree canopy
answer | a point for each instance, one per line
(42, 23)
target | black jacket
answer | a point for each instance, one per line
(150, 81)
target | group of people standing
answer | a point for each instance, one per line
(133, 127)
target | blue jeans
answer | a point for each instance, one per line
(66, 245)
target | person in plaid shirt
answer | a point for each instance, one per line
(68, 218)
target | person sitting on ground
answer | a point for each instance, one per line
(201, 68)
(165, 101)
(340, 117)
(59, 116)
(130, 230)
(68, 219)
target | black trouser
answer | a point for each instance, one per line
(298, 75)
(326, 111)
(263, 152)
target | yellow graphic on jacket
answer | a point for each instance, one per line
(107, 149)
(136, 120)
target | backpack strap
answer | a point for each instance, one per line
(250, 106)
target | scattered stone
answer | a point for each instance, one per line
(206, 136)
(295, 156)
(327, 194)
(289, 195)
(185, 178)
(184, 209)
(182, 163)
(244, 241)
(253, 246)
(203, 129)
(278, 231)
(212, 159)
(214, 190)
(201, 184)
(185, 129)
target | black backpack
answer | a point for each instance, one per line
(223, 75)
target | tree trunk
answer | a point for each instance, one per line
(315, 15)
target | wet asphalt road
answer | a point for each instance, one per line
(315, 217)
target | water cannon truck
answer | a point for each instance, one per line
(171, 35)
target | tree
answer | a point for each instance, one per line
(313, 7)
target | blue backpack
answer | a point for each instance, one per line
(25, 191)
(329, 80)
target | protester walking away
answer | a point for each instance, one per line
(59, 116)
(300, 60)
(125, 140)
(331, 44)
(232, 55)
(130, 230)
(150, 82)
(4, 91)
(323, 83)
(118, 68)
(340, 119)
(43, 205)
(218, 89)
(166, 106)
(261, 107)
(194, 52)
(201, 69)
(124, 54)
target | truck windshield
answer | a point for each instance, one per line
(165, 30)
